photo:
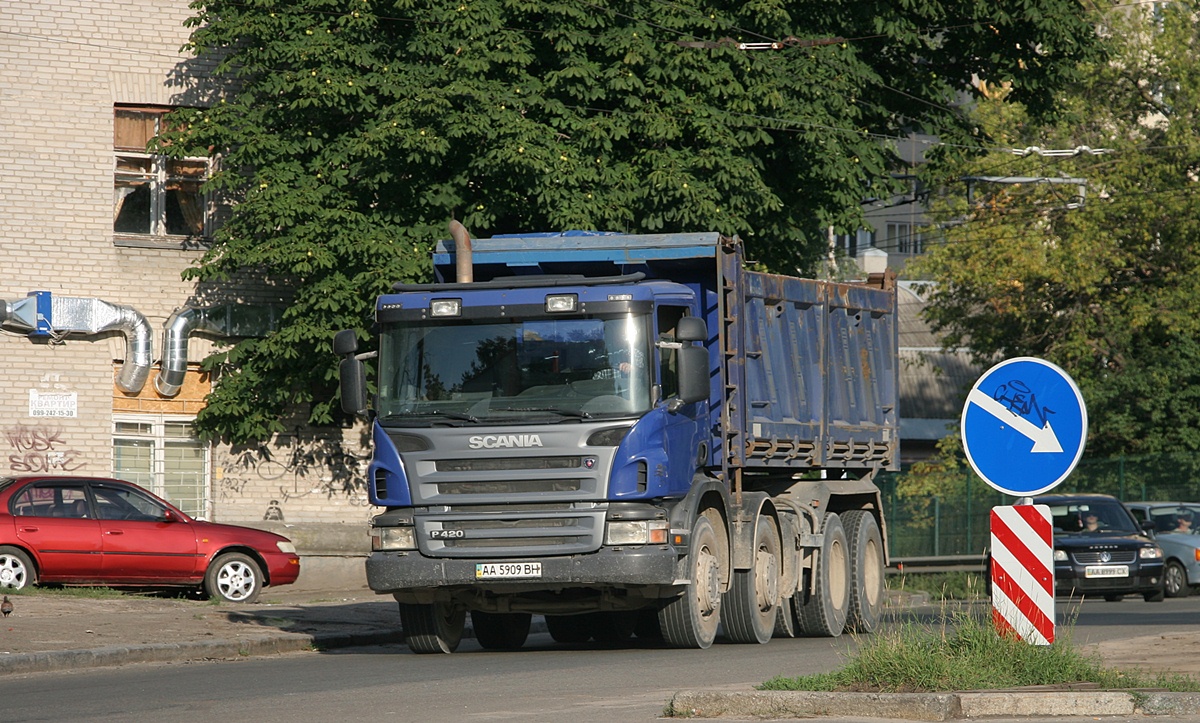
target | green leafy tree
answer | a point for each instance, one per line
(1106, 289)
(351, 131)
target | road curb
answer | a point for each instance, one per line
(928, 706)
(196, 650)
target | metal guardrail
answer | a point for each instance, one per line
(934, 564)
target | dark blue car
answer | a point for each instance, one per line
(1100, 550)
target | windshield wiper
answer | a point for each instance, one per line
(460, 416)
(577, 414)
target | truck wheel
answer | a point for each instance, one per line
(432, 628)
(866, 571)
(569, 628)
(500, 631)
(691, 620)
(824, 615)
(752, 603)
(1175, 580)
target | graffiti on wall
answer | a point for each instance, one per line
(37, 448)
(299, 467)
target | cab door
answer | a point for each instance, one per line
(54, 520)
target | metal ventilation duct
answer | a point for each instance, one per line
(223, 320)
(43, 315)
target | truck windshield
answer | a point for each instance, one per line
(514, 371)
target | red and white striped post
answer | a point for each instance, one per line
(1023, 572)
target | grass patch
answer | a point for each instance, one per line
(964, 652)
(88, 593)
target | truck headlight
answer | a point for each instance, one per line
(636, 532)
(1150, 553)
(393, 538)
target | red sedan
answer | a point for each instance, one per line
(97, 531)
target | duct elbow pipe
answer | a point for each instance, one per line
(462, 252)
(175, 347)
(139, 349)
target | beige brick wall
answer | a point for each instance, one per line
(63, 65)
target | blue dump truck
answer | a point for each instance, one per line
(627, 435)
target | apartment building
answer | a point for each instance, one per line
(99, 335)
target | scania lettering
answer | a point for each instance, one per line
(507, 440)
(627, 435)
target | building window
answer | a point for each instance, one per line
(851, 243)
(902, 240)
(154, 195)
(162, 454)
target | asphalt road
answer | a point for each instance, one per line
(543, 682)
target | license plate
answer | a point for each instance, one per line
(1106, 571)
(500, 570)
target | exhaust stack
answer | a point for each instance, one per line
(462, 252)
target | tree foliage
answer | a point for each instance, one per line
(1107, 290)
(353, 130)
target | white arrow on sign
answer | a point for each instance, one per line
(1044, 439)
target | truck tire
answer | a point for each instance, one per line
(866, 571)
(571, 629)
(500, 631)
(691, 620)
(752, 603)
(432, 628)
(824, 614)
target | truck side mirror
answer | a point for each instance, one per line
(693, 374)
(351, 374)
(345, 342)
(691, 328)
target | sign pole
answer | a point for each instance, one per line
(1023, 428)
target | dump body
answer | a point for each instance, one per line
(543, 442)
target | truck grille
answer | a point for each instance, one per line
(511, 533)
(507, 463)
(484, 479)
(521, 486)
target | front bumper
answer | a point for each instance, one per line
(1070, 580)
(282, 568)
(391, 572)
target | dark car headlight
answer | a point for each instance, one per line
(1060, 556)
(1150, 553)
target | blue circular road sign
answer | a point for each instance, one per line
(1023, 426)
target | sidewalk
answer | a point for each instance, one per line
(48, 632)
(52, 632)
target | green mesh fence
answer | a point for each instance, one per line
(957, 523)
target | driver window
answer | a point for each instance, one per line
(668, 349)
(118, 503)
